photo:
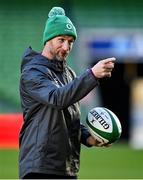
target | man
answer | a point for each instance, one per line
(51, 134)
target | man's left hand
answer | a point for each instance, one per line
(94, 142)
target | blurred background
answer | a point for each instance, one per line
(105, 29)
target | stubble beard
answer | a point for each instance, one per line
(59, 57)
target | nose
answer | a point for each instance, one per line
(66, 46)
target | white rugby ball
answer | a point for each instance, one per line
(104, 125)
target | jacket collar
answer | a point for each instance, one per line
(34, 58)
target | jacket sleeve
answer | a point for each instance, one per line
(45, 90)
(84, 135)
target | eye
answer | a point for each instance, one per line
(61, 40)
(71, 42)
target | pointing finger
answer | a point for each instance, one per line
(112, 59)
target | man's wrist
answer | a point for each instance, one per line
(91, 72)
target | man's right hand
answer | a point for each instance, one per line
(103, 68)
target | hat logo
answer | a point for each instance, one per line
(69, 26)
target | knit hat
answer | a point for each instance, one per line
(58, 24)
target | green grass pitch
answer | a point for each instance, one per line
(116, 162)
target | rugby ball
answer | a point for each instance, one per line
(104, 125)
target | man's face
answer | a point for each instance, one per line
(59, 47)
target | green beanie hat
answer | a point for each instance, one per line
(58, 24)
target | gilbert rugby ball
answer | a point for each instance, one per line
(104, 125)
